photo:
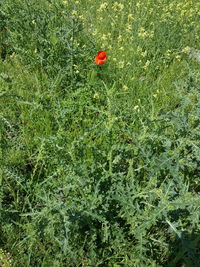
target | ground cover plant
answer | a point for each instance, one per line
(100, 163)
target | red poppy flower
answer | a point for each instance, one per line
(101, 58)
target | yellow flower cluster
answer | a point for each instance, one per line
(102, 7)
(130, 17)
(121, 64)
(146, 64)
(74, 12)
(125, 87)
(96, 96)
(117, 6)
(144, 53)
(128, 28)
(186, 50)
(143, 33)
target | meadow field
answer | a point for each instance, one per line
(99, 164)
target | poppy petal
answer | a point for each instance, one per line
(101, 54)
(99, 61)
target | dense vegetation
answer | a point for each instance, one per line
(100, 165)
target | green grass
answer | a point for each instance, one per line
(100, 165)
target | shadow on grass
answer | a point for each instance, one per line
(185, 251)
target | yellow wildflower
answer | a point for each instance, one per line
(186, 50)
(74, 12)
(96, 96)
(103, 6)
(121, 64)
(125, 87)
(130, 17)
(146, 64)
